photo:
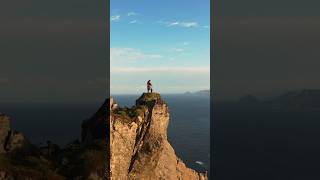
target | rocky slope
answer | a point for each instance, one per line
(139, 148)
(84, 160)
(19, 159)
(12, 141)
(116, 143)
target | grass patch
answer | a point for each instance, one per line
(133, 112)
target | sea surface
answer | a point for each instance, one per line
(264, 143)
(57, 122)
(188, 131)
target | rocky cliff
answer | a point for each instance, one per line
(19, 159)
(12, 141)
(139, 148)
(86, 160)
(116, 143)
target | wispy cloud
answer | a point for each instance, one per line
(132, 13)
(201, 70)
(127, 55)
(135, 22)
(184, 24)
(115, 18)
(179, 50)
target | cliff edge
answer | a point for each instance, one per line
(139, 148)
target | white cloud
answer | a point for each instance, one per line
(183, 24)
(135, 22)
(115, 18)
(127, 55)
(161, 69)
(178, 50)
(180, 24)
(132, 14)
(173, 23)
(206, 27)
(186, 43)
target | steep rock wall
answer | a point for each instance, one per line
(139, 148)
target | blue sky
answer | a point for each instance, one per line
(167, 41)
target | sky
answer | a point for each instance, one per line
(53, 51)
(56, 50)
(166, 41)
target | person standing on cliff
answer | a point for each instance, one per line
(149, 86)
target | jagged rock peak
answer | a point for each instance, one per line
(4, 130)
(139, 148)
(96, 127)
(112, 104)
(149, 98)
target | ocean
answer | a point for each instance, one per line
(188, 131)
(263, 143)
(57, 122)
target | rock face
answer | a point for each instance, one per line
(19, 159)
(95, 129)
(139, 148)
(117, 143)
(96, 126)
(11, 140)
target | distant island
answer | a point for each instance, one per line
(198, 93)
(298, 100)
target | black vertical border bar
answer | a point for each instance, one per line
(107, 25)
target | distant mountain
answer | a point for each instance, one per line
(308, 99)
(305, 100)
(199, 93)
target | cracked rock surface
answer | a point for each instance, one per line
(139, 148)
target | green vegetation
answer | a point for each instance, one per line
(74, 161)
(151, 96)
(82, 160)
(35, 167)
(130, 112)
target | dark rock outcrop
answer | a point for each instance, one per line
(12, 141)
(299, 100)
(96, 126)
(306, 99)
(19, 159)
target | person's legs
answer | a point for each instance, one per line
(151, 90)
